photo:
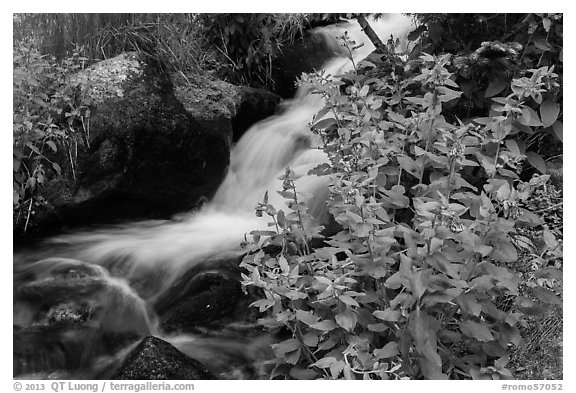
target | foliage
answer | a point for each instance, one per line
(249, 42)
(177, 39)
(46, 114)
(415, 283)
(507, 45)
(239, 47)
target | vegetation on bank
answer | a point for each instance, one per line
(450, 241)
(442, 260)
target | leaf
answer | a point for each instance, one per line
(419, 280)
(549, 239)
(325, 362)
(542, 44)
(348, 300)
(292, 357)
(303, 374)
(321, 113)
(15, 198)
(414, 34)
(281, 218)
(377, 327)
(503, 192)
(510, 334)
(548, 272)
(546, 295)
(536, 161)
(479, 331)
(512, 145)
(389, 350)
(501, 362)
(528, 219)
(495, 86)
(57, 168)
(52, 145)
(325, 123)
(307, 317)
(310, 339)
(286, 346)
(325, 326)
(347, 319)
(364, 91)
(388, 315)
(549, 111)
(558, 130)
(546, 23)
(424, 337)
(283, 264)
(263, 304)
(469, 303)
(529, 117)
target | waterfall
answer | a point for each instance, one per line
(150, 255)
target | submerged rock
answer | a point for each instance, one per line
(59, 348)
(67, 293)
(207, 297)
(211, 302)
(154, 358)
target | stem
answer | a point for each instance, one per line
(297, 333)
(29, 213)
(549, 207)
(306, 248)
(526, 47)
(542, 55)
(429, 141)
(275, 223)
(449, 178)
(72, 164)
(496, 159)
(366, 28)
(368, 238)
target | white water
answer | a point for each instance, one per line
(165, 250)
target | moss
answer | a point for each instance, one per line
(108, 79)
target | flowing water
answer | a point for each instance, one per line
(121, 271)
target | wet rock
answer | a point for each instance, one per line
(69, 314)
(58, 348)
(211, 300)
(229, 109)
(55, 280)
(139, 154)
(66, 293)
(208, 298)
(154, 358)
(305, 55)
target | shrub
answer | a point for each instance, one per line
(249, 42)
(415, 283)
(46, 114)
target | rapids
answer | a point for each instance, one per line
(125, 268)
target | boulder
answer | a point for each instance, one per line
(139, 154)
(207, 297)
(156, 359)
(230, 109)
(211, 301)
(307, 54)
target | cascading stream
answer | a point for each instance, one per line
(145, 258)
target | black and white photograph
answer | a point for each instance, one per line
(287, 196)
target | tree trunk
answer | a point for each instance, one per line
(366, 28)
